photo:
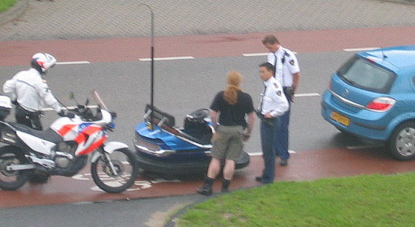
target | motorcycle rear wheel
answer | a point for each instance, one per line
(12, 180)
(126, 167)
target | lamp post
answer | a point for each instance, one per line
(150, 126)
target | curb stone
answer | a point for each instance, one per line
(411, 2)
(13, 12)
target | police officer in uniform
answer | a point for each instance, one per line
(28, 91)
(287, 72)
(273, 105)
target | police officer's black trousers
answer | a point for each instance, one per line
(31, 119)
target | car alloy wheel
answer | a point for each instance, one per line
(402, 143)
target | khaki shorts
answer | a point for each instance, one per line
(227, 143)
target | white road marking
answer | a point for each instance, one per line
(255, 54)
(168, 58)
(258, 54)
(72, 62)
(307, 95)
(361, 49)
(138, 185)
(69, 107)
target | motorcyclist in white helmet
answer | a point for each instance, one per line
(29, 91)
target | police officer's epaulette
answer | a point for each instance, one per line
(283, 57)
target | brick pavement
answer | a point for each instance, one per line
(79, 19)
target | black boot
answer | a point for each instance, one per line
(225, 185)
(207, 187)
(39, 177)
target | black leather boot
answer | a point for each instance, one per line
(207, 187)
(225, 185)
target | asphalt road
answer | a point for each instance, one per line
(181, 87)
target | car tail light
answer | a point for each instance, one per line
(381, 104)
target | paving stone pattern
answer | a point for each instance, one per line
(81, 19)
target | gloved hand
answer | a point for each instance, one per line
(67, 114)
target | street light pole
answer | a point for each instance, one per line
(150, 126)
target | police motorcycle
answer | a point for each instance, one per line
(165, 149)
(63, 149)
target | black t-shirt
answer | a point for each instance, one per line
(233, 115)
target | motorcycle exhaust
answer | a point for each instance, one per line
(20, 167)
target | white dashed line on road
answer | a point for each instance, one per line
(70, 107)
(72, 62)
(168, 58)
(307, 95)
(255, 54)
(258, 54)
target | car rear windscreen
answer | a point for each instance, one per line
(364, 74)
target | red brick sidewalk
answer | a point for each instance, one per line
(304, 165)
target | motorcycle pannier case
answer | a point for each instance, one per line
(5, 107)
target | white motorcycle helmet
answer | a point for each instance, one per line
(43, 61)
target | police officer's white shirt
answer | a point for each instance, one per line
(30, 91)
(273, 100)
(284, 71)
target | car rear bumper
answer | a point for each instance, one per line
(351, 122)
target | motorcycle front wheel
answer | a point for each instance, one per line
(115, 172)
(12, 179)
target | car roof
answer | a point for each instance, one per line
(393, 58)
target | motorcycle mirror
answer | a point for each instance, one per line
(72, 97)
(86, 102)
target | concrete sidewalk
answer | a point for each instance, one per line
(79, 19)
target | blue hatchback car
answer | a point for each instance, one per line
(373, 96)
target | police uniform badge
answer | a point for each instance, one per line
(292, 62)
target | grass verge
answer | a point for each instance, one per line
(5, 4)
(376, 200)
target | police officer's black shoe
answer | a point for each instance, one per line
(261, 179)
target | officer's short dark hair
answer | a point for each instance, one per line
(268, 66)
(270, 39)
